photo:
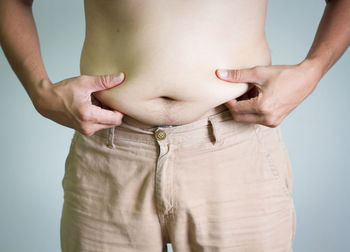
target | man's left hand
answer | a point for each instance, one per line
(275, 91)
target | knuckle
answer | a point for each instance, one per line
(85, 130)
(232, 111)
(255, 69)
(237, 117)
(271, 121)
(265, 108)
(90, 133)
(83, 78)
(259, 70)
(236, 74)
(118, 121)
(84, 114)
(274, 125)
(268, 120)
(104, 80)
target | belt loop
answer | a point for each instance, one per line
(216, 131)
(110, 140)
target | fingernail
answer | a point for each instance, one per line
(119, 77)
(222, 73)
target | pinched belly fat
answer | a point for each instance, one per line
(169, 103)
(169, 51)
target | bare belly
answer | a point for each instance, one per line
(169, 63)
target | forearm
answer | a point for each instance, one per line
(332, 37)
(20, 43)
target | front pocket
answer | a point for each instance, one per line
(275, 155)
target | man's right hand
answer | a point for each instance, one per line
(71, 102)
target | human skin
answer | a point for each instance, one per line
(68, 102)
(169, 52)
(278, 90)
(71, 102)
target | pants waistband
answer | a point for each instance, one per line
(218, 124)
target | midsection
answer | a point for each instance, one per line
(169, 51)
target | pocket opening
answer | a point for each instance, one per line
(69, 156)
(269, 159)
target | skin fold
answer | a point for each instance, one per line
(172, 50)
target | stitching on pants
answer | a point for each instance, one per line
(69, 157)
(259, 134)
(271, 164)
(110, 139)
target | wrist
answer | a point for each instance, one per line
(312, 67)
(39, 91)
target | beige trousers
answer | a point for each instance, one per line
(214, 185)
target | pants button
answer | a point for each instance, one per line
(160, 134)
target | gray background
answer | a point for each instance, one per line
(33, 149)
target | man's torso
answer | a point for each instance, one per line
(171, 49)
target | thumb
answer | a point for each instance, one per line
(102, 82)
(249, 75)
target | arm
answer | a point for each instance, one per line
(332, 37)
(19, 40)
(69, 102)
(278, 90)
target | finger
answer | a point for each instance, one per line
(104, 116)
(248, 75)
(248, 118)
(102, 82)
(244, 106)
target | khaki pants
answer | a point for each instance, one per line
(212, 185)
